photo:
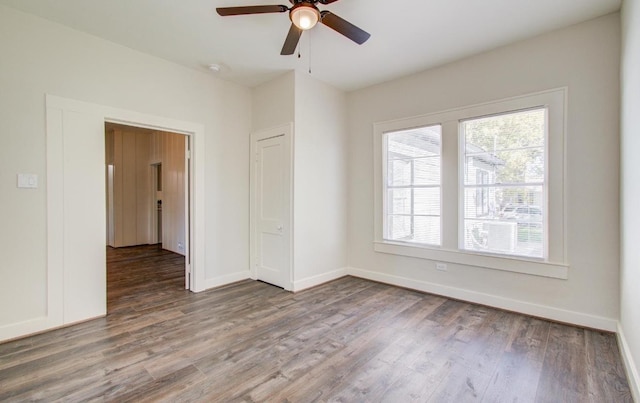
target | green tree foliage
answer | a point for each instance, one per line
(515, 144)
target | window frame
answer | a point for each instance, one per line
(555, 263)
(545, 188)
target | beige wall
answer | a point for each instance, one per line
(40, 57)
(585, 59)
(630, 187)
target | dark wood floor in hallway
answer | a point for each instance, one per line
(350, 340)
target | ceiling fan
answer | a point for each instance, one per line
(304, 15)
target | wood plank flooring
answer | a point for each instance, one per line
(350, 340)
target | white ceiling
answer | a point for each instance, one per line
(406, 37)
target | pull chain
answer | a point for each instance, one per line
(309, 46)
(308, 50)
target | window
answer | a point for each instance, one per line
(413, 185)
(479, 186)
(504, 183)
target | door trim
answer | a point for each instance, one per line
(286, 131)
(56, 220)
(56, 110)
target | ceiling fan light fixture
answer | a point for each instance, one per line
(304, 16)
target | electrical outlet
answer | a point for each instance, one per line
(441, 266)
(181, 246)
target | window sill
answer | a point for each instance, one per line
(512, 264)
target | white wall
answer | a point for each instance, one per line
(630, 195)
(318, 112)
(273, 103)
(320, 185)
(584, 58)
(38, 58)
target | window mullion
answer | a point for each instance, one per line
(413, 223)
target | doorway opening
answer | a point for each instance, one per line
(148, 194)
(156, 195)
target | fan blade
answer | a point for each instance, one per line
(291, 42)
(226, 11)
(327, 1)
(344, 27)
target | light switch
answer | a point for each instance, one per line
(28, 181)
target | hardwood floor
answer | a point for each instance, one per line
(350, 340)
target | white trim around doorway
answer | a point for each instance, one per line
(95, 116)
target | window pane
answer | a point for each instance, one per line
(504, 237)
(426, 201)
(413, 185)
(426, 171)
(510, 223)
(501, 202)
(414, 143)
(399, 228)
(399, 201)
(427, 230)
(510, 147)
(509, 198)
(399, 172)
(504, 174)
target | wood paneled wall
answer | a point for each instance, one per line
(131, 202)
(173, 195)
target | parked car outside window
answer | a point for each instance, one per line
(522, 213)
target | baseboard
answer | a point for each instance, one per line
(36, 326)
(22, 329)
(633, 377)
(224, 280)
(296, 285)
(542, 311)
(319, 279)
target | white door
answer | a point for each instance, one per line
(271, 188)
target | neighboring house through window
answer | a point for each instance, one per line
(413, 185)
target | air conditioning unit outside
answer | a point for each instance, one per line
(501, 236)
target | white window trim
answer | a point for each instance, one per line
(555, 265)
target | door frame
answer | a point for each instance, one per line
(286, 131)
(58, 153)
(153, 203)
(189, 276)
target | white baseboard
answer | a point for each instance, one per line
(319, 279)
(542, 311)
(36, 326)
(633, 377)
(224, 280)
(26, 328)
